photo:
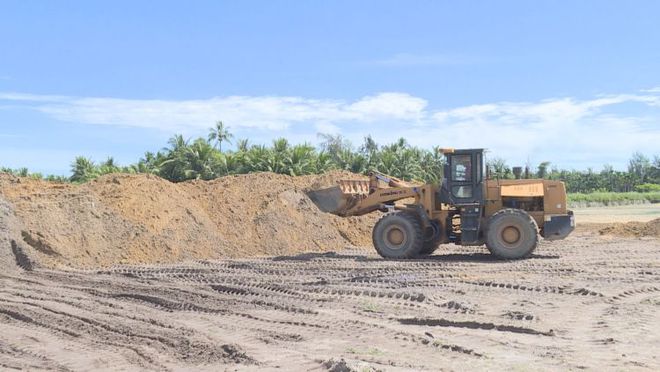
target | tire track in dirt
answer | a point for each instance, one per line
(459, 309)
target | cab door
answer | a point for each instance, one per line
(463, 188)
(464, 177)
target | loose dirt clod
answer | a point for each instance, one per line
(130, 219)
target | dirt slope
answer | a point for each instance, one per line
(9, 236)
(127, 219)
(268, 213)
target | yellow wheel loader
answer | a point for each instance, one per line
(467, 209)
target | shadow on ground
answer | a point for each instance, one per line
(450, 257)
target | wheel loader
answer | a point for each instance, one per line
(508, 215)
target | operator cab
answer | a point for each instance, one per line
(463, 180)
(462, 186)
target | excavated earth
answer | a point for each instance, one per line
(135, 219)
(102, 277)
(633, 228)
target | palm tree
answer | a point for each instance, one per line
(242, 145)
(150, 163)
(301, 160)
(499, 167)
(323, 162)
(176, 142)
(173, 164)
(258, 159)
(279, 156)
(83, 169)
(201, 160)
(220, 134)
(108, 166)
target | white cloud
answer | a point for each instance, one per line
(395, 106)
(267, 112)
(565, 130)
(652, 90)
(327, 128)
(24, 97)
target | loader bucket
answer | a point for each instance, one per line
(330, 200)
(339, 199)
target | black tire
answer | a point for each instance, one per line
(511, 234)
(431, 244)
(429, 247)
(398, 235)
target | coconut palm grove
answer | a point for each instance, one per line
(184, 159)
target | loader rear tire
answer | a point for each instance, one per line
(433, 242)
(398, 235)
(511, 234)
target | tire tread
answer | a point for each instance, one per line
(416, 249)
(509, 212)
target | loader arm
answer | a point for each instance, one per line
(359, 197)
(379, 199)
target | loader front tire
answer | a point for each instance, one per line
(398, 235)
(511, 234)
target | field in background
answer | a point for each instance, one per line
(597, 199)
(623, 213)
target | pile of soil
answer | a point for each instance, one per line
(633, 229)
(132, 219)
(267, 213)
(9, 233)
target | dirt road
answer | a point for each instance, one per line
(587, 302)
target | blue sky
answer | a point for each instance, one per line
(576, 83)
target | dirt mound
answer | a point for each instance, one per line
(267, 213)
(12, 255)
(633, 229)
(145, 219)
(115, 219)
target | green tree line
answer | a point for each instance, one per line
(203, 158)
(642, 175)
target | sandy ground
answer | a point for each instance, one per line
(589, 302)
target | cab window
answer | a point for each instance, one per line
(461, 169)
(462, 191)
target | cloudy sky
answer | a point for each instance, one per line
(573, 83)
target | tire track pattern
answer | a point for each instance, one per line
(458, 308)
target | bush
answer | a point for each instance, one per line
(648, 187)
(614, 198)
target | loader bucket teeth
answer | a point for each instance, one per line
(354, 187)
